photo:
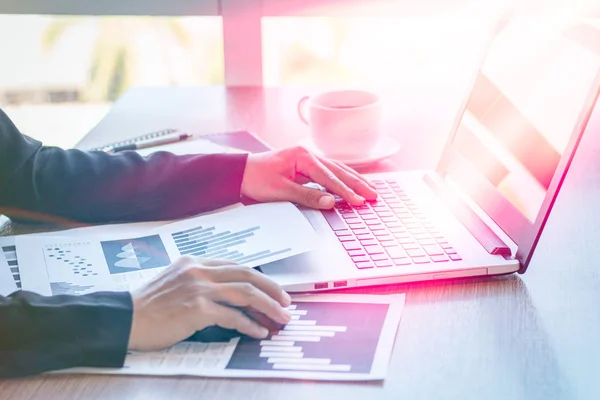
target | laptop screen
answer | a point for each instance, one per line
(531, 97)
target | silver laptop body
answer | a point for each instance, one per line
(483, 209)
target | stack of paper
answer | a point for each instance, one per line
(330, 337)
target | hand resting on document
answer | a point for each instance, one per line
(193, 294)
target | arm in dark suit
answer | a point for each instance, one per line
(100, 187)
(42, 333)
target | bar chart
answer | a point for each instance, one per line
(327, 337)
(10, 253)
(209, 242)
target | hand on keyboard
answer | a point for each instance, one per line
(280, 176)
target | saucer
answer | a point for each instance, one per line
(384, 148)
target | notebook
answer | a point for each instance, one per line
(230, 142)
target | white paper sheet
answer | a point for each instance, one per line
(7, 283)
(251, 236)
(337, 337)
(8, 249)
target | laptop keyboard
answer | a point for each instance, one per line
(388, 232)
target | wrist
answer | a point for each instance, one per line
(247, 177)
(134, 331)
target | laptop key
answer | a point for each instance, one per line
(416, 253)
(408, 241)
(389, 243)
(368, 242)
(354, 253)
(433, 250)
(357, 227)
(383, 263)
(393, 201)
(393, 224)
(450, 251)
(439, 258)
(421, 260)
(365, 235)
(367, 217)
(410, 246)
(346, 239)
(388, 220)
(364, 265)
(360, 259)
(353, 245)
(379, 257)
(455, 257)
(403, 235)
(345, 232)
(361, 231)
(402, 261)
(396, 252)
(374, 249)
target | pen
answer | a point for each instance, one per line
(172, 138)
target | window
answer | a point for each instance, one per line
(369, 50)
(63, 72)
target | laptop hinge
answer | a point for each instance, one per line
(483, 233)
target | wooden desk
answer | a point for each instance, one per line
(534, 336)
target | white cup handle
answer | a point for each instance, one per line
(301, 108)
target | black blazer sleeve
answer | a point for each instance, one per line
(39, 334)
(99, 187)
(44, 333)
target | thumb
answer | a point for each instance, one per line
(309, 197)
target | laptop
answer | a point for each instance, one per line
(484, 207)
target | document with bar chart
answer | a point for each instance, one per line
(330, 337)
(251, 236)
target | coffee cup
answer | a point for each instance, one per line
(345, 124)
